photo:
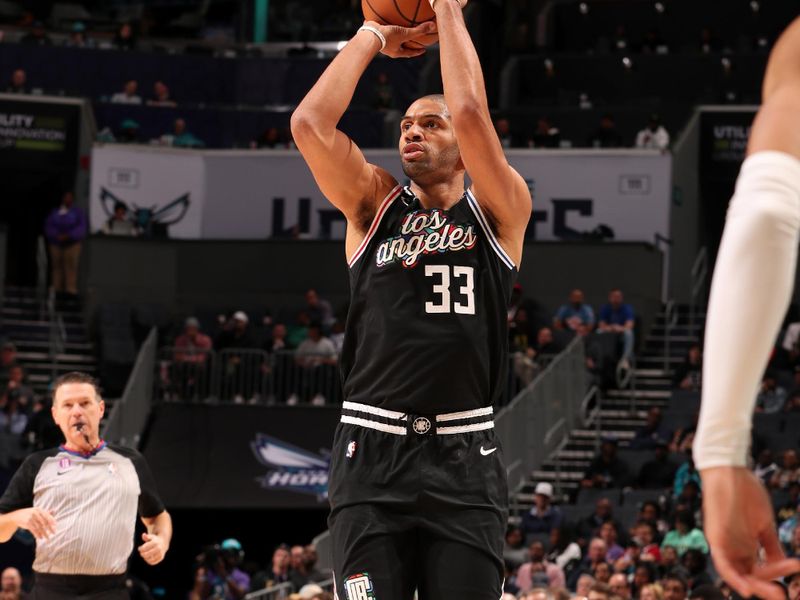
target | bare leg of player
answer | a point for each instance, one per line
(750, 293)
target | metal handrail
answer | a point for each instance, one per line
(670, 321)
(699, 273)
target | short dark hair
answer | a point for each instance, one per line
(76, 377)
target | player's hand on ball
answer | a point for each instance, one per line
(154, 548)
(738, 521)
(396, 38)
(39, 522)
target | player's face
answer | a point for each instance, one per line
(428, 146)
(77, 411)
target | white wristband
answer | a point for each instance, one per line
(377, 33)
(434, 2)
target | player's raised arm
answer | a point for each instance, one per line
(338, 165)
(499, 189)
(750, 293)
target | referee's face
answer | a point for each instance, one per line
(77, 411)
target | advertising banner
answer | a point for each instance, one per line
(242, 456)
(36, 133)
(621, 195)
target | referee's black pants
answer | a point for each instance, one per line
(79, 587)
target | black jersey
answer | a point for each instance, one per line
(426, 331)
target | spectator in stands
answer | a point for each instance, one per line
(125, 39)
(78, 37)
(503, 128)
(11, 585)
(606, 135)
(686, 473)
(160, 95)
(514, 550)
(564, 550)
(652, 433)
(277, 573)
(695, 563)
(16, 386)
(652, 591)
(609, 534)
(589, 526)
(383, 93)
(537, 561)
(316, 357)
(789, 471)
(17, 84)
(37, 36)
(65, 230)
(654, 136)
(619, 586)
(237, 582)
(546, 135)
(298, 571)
(543, 517)
(181, 137)
(128, 94)
(765, 466)
(119, 223)
(239, 367)
(576, 315)
(688, 376)
(584, 584)
(675, 587)
(618, 317)
(12, 417)
(645, 534)
(643, 575)
(658, 473)
(595, 555)
(772, 397)
(319, 309)
(686, 535)
(606, 470)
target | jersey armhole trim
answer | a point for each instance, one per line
(384, 206)
(476, 208)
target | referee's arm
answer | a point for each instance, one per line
(16, 505)
(157, 538)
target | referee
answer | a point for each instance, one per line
(80, 501)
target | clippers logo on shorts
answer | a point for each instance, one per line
(351, 449)
(424, 232)
(359, 587)
(421, 425)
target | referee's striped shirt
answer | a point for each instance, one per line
(94, 500)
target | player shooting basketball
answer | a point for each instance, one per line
(749, 296)
(417, 486)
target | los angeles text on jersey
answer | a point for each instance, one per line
(424, 232)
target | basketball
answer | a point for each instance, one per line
(406, 13)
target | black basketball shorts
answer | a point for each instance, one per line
(417, 503)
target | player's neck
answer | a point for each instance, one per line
(443, 195)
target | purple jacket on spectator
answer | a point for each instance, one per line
(70, 221)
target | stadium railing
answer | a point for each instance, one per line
(129, 414)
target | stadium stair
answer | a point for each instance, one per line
(622, 410)
(26, 322)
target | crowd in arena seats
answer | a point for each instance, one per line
(222, 571)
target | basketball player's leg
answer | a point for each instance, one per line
(464, 563)
(374, 554)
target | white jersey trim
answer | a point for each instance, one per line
(476, 208)
(465, 428)
(374, 410)
(384, 206)
(465, 414)
(395, 429)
